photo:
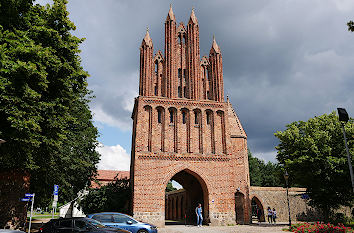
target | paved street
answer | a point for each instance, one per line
(223, 229)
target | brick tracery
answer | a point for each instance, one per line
(182, 122)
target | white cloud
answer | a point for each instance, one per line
(283, 61)
(102, 117)
(266, 156)
(113, 158)
(114, 100)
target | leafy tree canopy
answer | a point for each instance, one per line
(113, 197)
(350, 26)
(264, 174)
(314, 154)
(169, 187)
(44, 113)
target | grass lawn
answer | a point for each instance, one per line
(40, 216)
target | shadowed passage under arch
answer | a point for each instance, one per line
(180, 204)
(256, 208)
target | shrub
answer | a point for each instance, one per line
(319, 228)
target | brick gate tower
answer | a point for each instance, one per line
(183, 130)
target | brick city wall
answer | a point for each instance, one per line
(275, 197)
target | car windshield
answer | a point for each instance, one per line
(96, 223)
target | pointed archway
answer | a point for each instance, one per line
(257, 210)
(239, 207)
(180, 204)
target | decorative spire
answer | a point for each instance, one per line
(147, 38)
(170, 15)
(193, 18)
(215, 46)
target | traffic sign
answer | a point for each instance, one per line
(56, 190)
(54, 204)
(25, 199)
(29, 195)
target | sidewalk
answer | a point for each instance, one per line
(254, 228)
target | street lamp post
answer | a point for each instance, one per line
(286, 177)
(344, 118)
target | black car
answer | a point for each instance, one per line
(79, 225)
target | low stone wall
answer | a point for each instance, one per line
(275, 197)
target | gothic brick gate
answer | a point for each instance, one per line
(183, 129)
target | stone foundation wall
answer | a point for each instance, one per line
(275, 197)
(222, 219)
(155, 218)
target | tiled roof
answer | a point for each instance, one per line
(106, 176)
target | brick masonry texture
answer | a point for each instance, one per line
(275, 197)
(13, 185)
(183, 129)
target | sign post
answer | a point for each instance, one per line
(55, 199)
(29, 197)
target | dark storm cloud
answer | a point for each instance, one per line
(283, 60)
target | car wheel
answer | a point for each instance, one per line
(143, 231)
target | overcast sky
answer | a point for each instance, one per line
(283, 61)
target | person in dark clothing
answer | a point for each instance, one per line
(259, 214)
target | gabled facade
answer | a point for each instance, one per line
(183, 129)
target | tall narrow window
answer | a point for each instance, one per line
(155, 89)
(179, 92)
(185, 92)
(184, 117)
(159, 116)
(179, 73)
(196, 120)
(171, 116)
(208, 118)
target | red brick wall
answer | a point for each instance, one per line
(13, 186)
(214, 151)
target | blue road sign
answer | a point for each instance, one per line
(56, 190)
(29, 195)
(25, 199)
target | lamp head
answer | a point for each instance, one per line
(286, 175)
(2, 141)
(343, 115)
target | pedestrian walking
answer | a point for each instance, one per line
(274, 215)
(270, 215)
(198, 212)
(259, 214)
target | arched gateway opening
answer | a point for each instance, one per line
(257, 209)
(239, 207)
(180, 204)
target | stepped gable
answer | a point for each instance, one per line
(236, 126)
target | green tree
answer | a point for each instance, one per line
(350, 26)
(314, 154)
(169, 187)
(264, 174)
(113, 197)
(44, 113)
